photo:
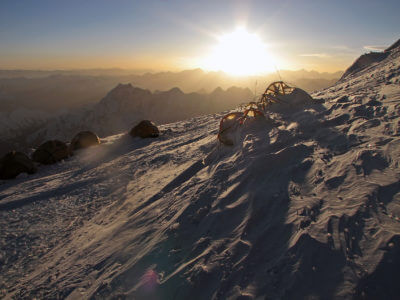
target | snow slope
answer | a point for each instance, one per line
(306, 207)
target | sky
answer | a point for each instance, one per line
(175, 35)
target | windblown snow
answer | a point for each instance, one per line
(307, 207)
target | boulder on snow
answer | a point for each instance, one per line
(145, 129)
(51, 152)
(84, 139)
(14, 163)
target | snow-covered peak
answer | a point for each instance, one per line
(217, 91)
(175, 91)
(125, 92)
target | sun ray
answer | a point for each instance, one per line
(240, 53)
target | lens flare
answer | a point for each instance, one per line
(150, 280)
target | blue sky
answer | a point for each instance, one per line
(322, 35)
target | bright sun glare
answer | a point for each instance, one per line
(240, 53)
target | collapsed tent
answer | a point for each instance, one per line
(277, 95)
(228, 126)
(145, 129)
(230, 122)
(84, 139)
(14, 163)
(51, 152)
(280, 92)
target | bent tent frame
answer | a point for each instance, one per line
(272, 93)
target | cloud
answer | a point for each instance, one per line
(344, 50)
(319, 55)
(341, 47)
(375, 48)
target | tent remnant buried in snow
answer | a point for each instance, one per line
(14, 163)
(280, 92)
(145, 129)
(277, 95)
(51, 152)
(230, 123)
(84, 139)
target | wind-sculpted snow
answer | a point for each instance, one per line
(304, 207)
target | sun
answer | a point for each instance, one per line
(240, 53)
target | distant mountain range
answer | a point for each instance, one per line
(55, 90)
(126, 105)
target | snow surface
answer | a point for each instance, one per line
(306, 207)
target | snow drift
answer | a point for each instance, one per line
(306, 208)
